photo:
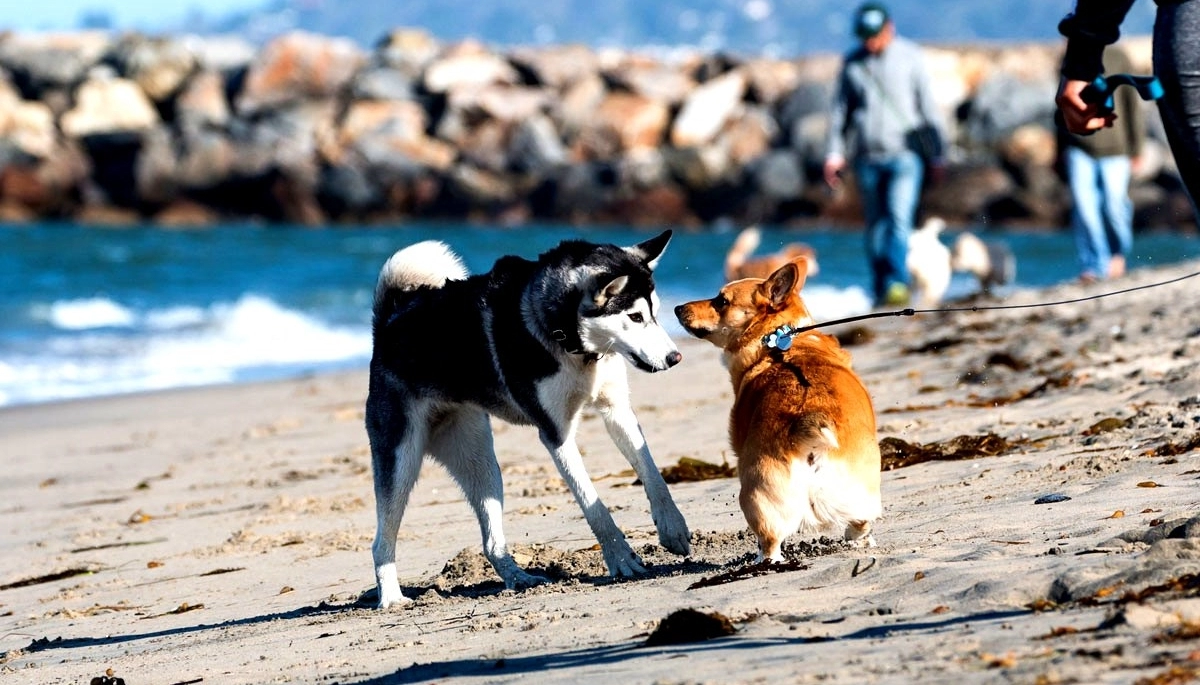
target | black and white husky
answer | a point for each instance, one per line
(531, 343)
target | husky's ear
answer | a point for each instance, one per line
(649, 252)
(781, 284)
(610, 290)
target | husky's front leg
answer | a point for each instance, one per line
(618, 555)
(626, 433)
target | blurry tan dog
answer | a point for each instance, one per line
(802, 425)
(740, 264)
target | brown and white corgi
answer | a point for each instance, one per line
(802, 425)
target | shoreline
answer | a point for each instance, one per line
(223, 532)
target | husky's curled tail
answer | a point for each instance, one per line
(430, 263)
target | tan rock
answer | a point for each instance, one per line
(203, 101)
(634, 120)
(468, 71)
(707, 109)
(770, 81)
(186, 214)
(109, 105)
(560, 66)
(749, 134)
(408, 49)
(657, 81)
(298, 66)
(399, 119)
(160, 66)
(503, 102)
(1029, 144)
(30, 127)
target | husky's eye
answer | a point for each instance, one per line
(636, 317)
(719, 302)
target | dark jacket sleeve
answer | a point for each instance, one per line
(1093, 25)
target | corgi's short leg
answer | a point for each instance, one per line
(860, 532)
(768, 506)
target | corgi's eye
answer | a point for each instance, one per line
(636, 317)
(719, 302)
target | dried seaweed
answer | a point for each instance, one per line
(750, 571)
(49, 577)
(689, 625)
(896, 453)
(690, 470)
(1172, 449)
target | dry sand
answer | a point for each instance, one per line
(222, 535)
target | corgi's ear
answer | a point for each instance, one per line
(804, 264)
(650, 252)
(779, 287)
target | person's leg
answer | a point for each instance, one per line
(1115, 173)
(870, 178)
(1177, 64)
(1087, 222)
(903, 194)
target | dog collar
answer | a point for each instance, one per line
(779, 339)
(561, 338)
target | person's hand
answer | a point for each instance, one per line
(833, 171)
(1079, 116)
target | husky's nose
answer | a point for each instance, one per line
(674, 358)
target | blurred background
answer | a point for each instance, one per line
(204, 194)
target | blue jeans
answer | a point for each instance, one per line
(1102, 218)
(890, 189)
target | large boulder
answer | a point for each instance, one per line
(652, 79)
(297, 67)
(557, 67)
(624, 121)
(468, 66)
(203, 103)
(41, 61)
(407, 50)
(105, 104)
(707, 108)
(160, 66)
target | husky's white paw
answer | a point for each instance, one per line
(673, 534)
(516, 579)
(621, 560)
(388, 587)
(391, 596)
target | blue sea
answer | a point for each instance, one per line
(88, 311)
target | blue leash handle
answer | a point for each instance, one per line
(1101, 90)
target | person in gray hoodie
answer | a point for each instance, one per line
(883, 97)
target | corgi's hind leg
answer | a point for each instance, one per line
(859, 532)
(462, 442)
(769, 507)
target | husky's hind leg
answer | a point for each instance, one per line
(626, 433)
(462, 442)
(397, 449)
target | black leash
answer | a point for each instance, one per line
(977, 308)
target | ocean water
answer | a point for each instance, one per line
(86, 311)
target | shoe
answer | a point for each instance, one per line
(897, 295)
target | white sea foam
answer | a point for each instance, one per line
(93, 312)
(105, 348)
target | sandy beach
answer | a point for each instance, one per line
(222, 534)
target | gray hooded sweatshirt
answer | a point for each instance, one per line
(878, 99)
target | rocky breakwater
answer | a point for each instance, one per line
(309, 129)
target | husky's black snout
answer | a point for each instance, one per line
(674, 358)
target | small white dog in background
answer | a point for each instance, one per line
(928, 264)
(992, 263)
